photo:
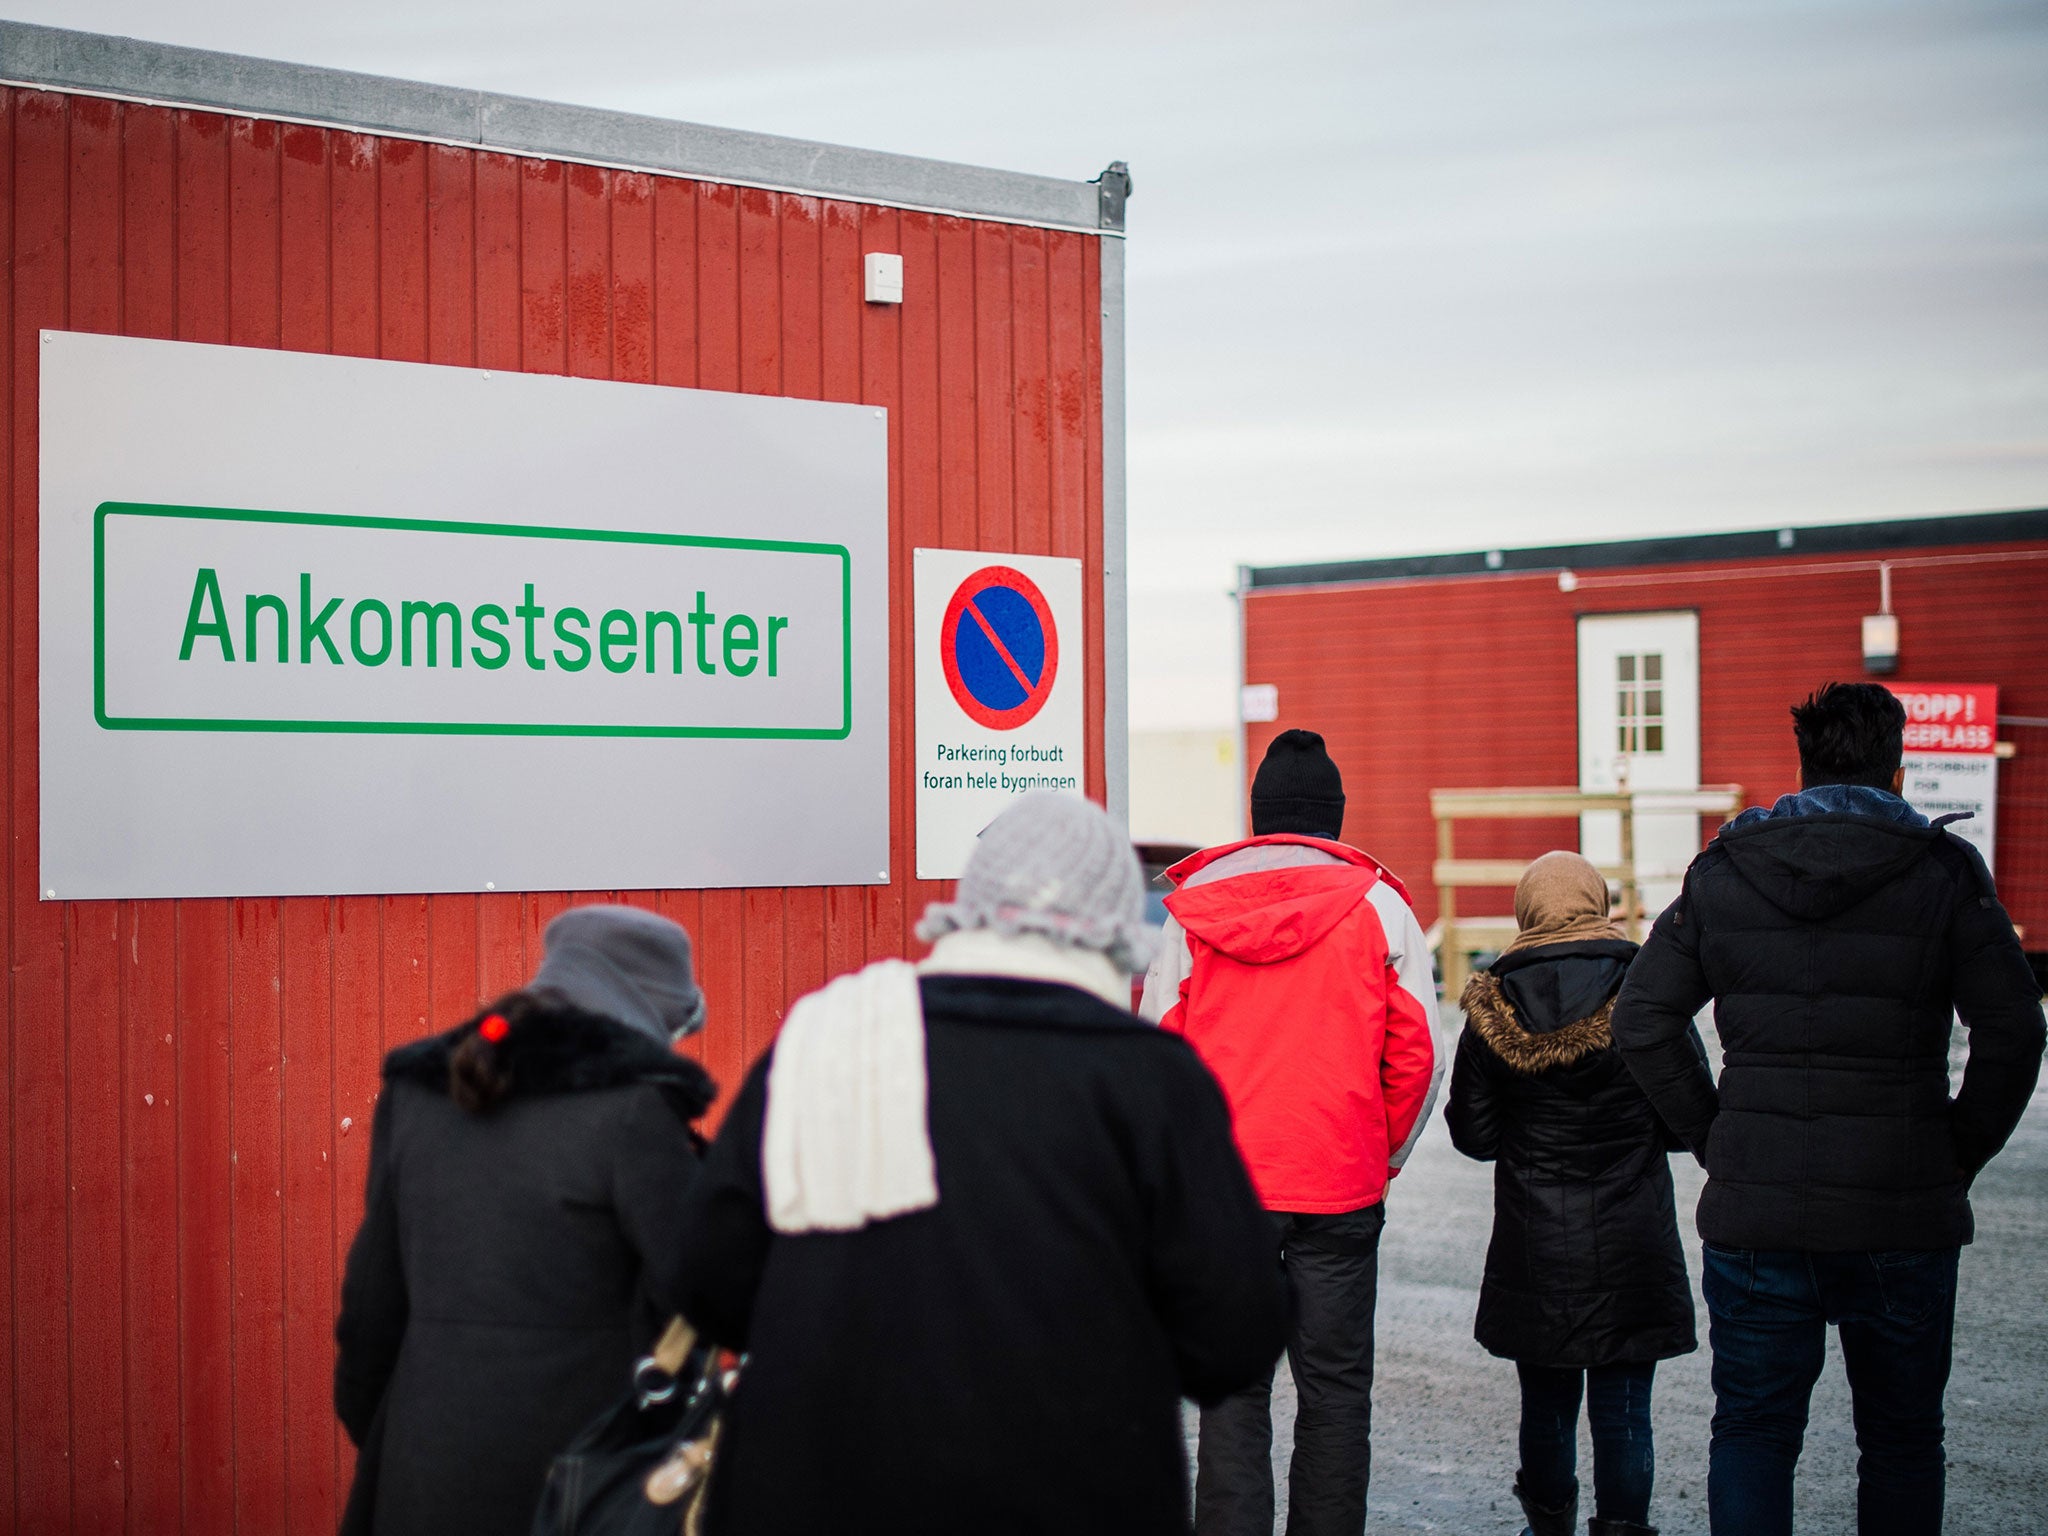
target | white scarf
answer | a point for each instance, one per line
(847, 1138)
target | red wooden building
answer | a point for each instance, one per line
(189, 1084)
(1537, 666)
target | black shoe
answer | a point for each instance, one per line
(1561, 1521)
(1598, 1527)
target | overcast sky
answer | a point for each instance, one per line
(1435, 275)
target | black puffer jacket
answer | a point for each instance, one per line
(1585, 1266)
(1836, 945)
(506, 1272)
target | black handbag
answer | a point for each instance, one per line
(643, 1465)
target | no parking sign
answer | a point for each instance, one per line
(998, 713)
(1000, 647)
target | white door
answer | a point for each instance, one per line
(1639, 723)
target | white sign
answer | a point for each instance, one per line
(1944, 783)
(318, 625)
(1951, 758)
(1000, 658)
(1258, 703)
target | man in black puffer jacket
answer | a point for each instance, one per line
(1837, 932)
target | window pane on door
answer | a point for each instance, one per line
(1639, 702)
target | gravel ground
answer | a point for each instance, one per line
(1445, 1411)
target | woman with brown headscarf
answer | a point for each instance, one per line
(1585, 1287)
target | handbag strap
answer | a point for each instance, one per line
(674, 1345)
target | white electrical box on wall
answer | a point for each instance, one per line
(885, 278)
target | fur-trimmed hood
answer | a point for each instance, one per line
(560, 1049)
(1493, 1019)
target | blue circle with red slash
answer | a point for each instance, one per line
(999, 647)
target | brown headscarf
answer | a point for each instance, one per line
(1561, 898)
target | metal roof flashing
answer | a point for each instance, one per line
(1760, 544)
(87, 63)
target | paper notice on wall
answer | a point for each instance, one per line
(1944, 783)
(1951, 763)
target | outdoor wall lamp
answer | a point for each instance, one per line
(1881, 629)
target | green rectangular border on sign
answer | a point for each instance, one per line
(108, 509)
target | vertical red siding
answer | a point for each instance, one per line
(36, 989)
(306, 963)
(189, 1084)
(95, 1046)
(151, 1100)
(884, 343)
(12, 1228)
(1473, 681)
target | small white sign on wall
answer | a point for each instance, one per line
(322, 625)
(1258, 703)
(1951, 760)
(999, 686)
(1957, 784)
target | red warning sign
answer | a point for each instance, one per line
(1949, 717)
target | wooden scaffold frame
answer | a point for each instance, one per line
(1456, 940)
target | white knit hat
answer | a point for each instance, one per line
(1054, 865)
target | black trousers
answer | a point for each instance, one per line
(1332, 1265)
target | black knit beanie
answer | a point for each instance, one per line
(1297, 789)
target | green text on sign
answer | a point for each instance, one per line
(655, 630)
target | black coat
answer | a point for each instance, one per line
(1585, 1266)
(503, 1280)
(1012, 1359)
(1836, 947)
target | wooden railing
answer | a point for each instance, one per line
(1457, 939)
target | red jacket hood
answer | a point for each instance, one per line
(1262, 917)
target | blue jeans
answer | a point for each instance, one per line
(1618, 1408)
(1769, 1316)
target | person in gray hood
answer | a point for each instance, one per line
(521, 1228)
(1838, 934)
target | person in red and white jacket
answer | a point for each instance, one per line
(1296, 968)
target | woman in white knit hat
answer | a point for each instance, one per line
(978, 1228)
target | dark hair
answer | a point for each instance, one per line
(1850, 733)
(479, 1075)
